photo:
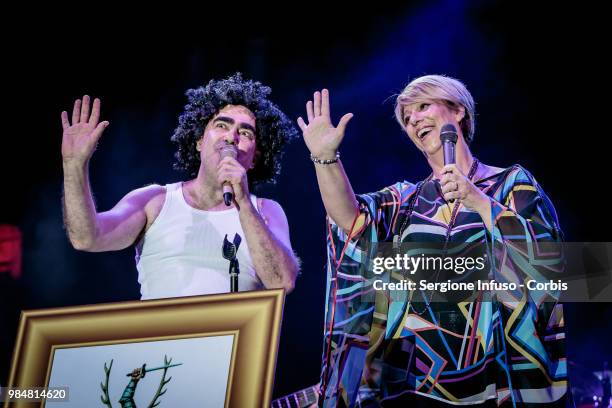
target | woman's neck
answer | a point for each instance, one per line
(463, 159)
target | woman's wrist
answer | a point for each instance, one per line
(325, 158)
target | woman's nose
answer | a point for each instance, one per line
(415, 118)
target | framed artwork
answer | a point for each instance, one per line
(201, 351)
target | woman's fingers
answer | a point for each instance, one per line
(301, 124)
(309, 111)
(317, 103)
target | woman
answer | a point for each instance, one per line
(384, 352)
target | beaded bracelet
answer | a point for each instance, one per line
(326, 161)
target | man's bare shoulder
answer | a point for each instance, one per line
(147, 196)
(272, 214)
(151, 198)
(270, 208)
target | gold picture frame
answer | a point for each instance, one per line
(252, 318)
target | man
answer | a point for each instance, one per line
(179, 228)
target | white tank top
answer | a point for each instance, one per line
(180, 254)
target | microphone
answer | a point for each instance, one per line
(448, 137)
(229, 251)
(228, 150)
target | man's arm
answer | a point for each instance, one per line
(87, 230)
(111, 230)
(268, 240)
(269, 244)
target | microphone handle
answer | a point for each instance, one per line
(449, 152)
(228, 194)
(234, 272)
(234, 282)
(449, 157)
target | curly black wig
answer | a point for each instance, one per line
(274, 129)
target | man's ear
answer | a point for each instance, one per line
(199, 145)
(256, 158)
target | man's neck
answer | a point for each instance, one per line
(204, 195)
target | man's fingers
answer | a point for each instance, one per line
(309, 111)
(232, 177)
(344, 121)
(99, 130)
(230, 161)
(95, 113)
(229, 165)
(76, 112)
(85, 109)
(301, 124)
(317, 103)
(65, 122)
(325, 102)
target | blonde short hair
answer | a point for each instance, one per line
(439, 88)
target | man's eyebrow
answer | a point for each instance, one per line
(247, 127)
(224, 119)
(231, 121)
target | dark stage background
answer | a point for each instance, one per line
(531, 74)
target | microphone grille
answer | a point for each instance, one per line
(448, 133)
(229, 150)
(229, 249)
